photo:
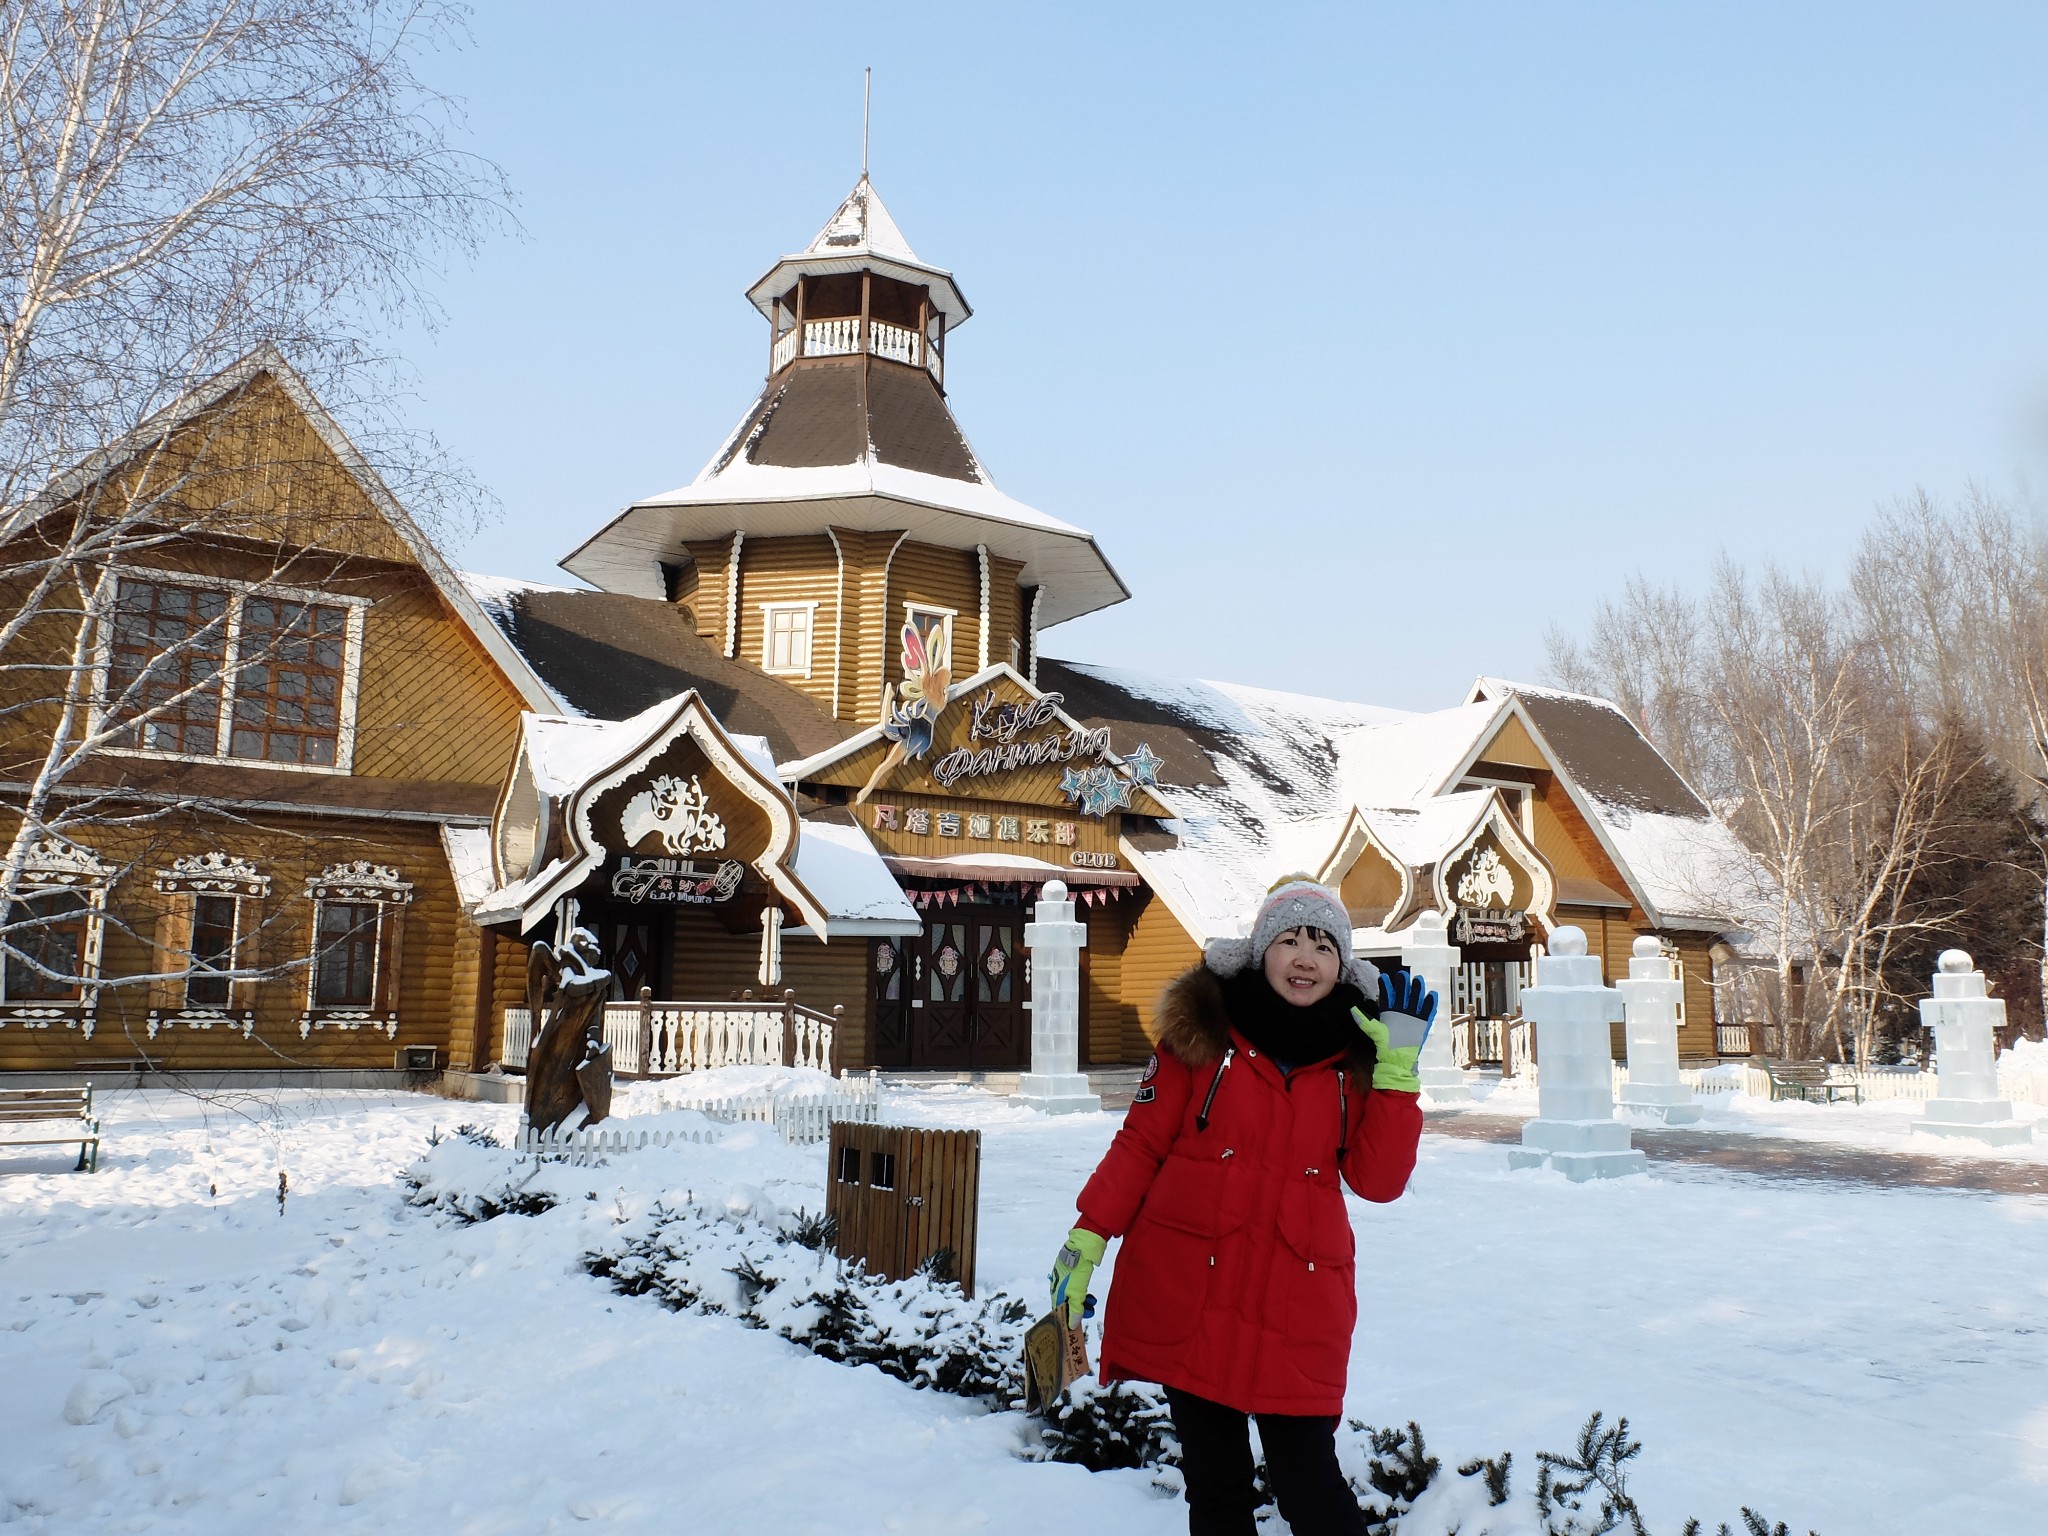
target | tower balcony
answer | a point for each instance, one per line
(841, 337)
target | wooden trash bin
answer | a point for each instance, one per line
(900, 1195)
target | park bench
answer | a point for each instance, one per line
(30, 1117)
(1809, 1082)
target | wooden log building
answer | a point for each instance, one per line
(799, 713)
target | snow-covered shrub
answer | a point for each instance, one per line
(1598, 1472)
(470, 1177)
(1400, 1472)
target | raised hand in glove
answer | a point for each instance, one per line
(1073, 1269)
(1407, 1010)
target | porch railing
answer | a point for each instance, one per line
(1476, 1042)
(668, 1039)
(1731, 1040)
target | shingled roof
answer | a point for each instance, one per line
(610, 656)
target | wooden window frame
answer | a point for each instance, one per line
(768, 614)
(55, 867)
(238, 594)
(189, 879)
(359, 882)
(951, 616)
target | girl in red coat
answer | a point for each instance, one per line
(1283, 1064)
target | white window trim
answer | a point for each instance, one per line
(768, 612)
(950, 615)
(359, 881)
(239, 592)
(55, 866)
(1520, 795)
(222, 874)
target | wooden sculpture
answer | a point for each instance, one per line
(568, 1065)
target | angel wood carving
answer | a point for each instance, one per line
(568, 1066)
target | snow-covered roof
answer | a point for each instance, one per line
(851, 882)
(469, 861)
(1264, 782)
(861, 235)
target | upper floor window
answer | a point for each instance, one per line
(786, 638)
(253, 674)
(935, 628)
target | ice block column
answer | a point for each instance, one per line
(1427, 951)
(1055, 1082)
(1963, 1016)
(1570, 1006)
(1651, 996)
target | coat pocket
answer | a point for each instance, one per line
(1314, 1223)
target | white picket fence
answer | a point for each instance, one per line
(590, 1144)
(802, 1119)
(2020, 1087)
(650, 1039)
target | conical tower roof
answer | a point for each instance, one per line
(852, 436)
(861, 236)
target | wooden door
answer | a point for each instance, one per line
(891, 966)
(942, 1030)
(1001, 1034)
(632, 952)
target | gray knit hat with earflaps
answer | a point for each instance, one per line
(1296, 902)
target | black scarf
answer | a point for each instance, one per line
(1294, 1036)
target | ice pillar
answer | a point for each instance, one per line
(1426, 950)
(1962, 1016)
(1574, 1131)
(1055, 1082)
(1651, 996)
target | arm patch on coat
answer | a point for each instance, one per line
(1145, 1095)
(1151, 1068)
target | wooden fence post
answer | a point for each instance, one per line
(833, 1063)
(789, 1026)
(647, 1032)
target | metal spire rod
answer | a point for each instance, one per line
(867, 95)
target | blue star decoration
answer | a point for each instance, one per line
(1143, 765)
(1097, 790)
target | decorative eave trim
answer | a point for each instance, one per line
(732, 593)
(57, 861)
(1353, 838)
(689, 716)
(1495, 817)
(981, 557)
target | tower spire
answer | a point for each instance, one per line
(867, 96)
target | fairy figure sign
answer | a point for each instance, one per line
(909, 720)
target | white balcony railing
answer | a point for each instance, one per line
(651, 1039)
(841, 338)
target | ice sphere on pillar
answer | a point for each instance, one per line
(1055, 1082)
(1572, 1009)
(1964, 1018)
(1427, 951)
(1652, 996)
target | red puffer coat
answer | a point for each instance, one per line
(1236, 1278)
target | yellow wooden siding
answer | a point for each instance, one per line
(872, 652)
(713, 559)
(431, 704)
(1102, 1009)
(290, 851)
(1512, 743)
(790, 570)
(1157, 951)
(1371, 886)
(1005, 608)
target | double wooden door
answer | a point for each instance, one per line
(953, 996)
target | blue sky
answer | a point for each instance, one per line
(1368, 340)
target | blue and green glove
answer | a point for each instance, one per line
(1073, 1269)
(1407, 1010)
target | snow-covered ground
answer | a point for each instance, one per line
(180, 1355)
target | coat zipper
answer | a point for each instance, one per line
(1202, 1118)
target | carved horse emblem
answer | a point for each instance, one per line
(1486, 878)
(676, 813)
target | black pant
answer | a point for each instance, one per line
(1301, 1468)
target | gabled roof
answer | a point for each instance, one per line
(268, 360)
(861, 235)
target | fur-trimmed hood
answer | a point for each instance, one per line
(1194, 1024)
